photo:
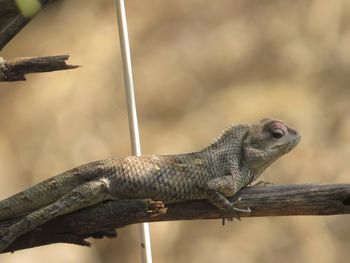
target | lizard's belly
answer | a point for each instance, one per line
(169, 189)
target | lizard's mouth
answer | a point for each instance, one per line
(289, 145)
(297, 138)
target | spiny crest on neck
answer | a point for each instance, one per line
(232, 133)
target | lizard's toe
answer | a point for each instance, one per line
(231, 212)
(237, 201)
(228, 219)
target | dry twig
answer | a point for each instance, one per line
(15, 69)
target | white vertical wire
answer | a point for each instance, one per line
(146, 253)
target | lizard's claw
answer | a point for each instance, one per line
(231, 211)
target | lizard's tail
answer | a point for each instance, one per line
(39, 195)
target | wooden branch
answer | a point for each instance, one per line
(102, 220)
(15, 69)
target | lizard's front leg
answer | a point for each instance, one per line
(216, 191)
(82, 196)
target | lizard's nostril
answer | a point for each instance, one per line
(294, 132)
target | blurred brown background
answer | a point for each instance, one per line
(198, 66)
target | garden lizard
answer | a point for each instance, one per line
(234, 160)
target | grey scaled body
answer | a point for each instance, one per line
(234, 160)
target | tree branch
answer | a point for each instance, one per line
(15, 69)
(102, 220)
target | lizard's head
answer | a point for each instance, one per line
(267, 141)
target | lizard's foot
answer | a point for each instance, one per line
(6, 238)
(231, 211)
(262, 183)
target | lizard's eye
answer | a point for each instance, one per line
(276, 129)
(277, 133)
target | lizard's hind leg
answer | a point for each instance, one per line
(39, 195)
(82, 196)
(50, 190)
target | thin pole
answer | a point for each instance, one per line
(146, 254)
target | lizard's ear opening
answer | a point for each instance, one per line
(254, 143)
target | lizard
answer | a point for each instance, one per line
(236, 158)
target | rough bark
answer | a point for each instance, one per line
(102, 220)
(15, 69)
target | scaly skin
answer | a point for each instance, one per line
(234, 160)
